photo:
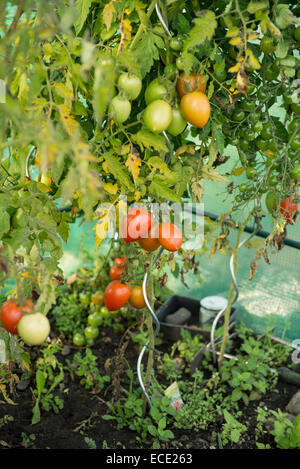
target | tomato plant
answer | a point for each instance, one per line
(116, 273)
(154, 91)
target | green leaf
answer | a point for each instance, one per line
(146, 51)
(283, 16)
(204, 29)
(253, 7)
(282, 49)
(4, 223)
(159, 189)
(145, 138)
(182, 24)
(118, 171)
(235, 435)
(40, 381)
(83, 8)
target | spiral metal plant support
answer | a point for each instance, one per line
(212, 344)
(27, 164)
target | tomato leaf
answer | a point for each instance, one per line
(145, 138)
(118, 171)
(159, 189)
(83, 8)
(204, 29)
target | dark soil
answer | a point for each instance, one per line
(80, 419)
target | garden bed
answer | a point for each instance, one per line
(80, 424)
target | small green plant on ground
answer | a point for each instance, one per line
(286, 433)
(6, 419)
(204, 402)
(232, 429)
(129, 411)
(70, 312)
(87, 369)
(49, 374)
(187, 347)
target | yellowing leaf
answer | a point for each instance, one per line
(110, 188)
(68, 121)
(133, 163)
(125, 28)
(238, 171)
(252, 60)
(105, 222)
(235, 68)
(236, 41)
(108, 14)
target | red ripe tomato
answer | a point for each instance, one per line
(11, 313)
(136, 298)
(120, 261)
(136, 224)
(170, 236)
(191, 83)
(288, 209)
(116, 295)
(116, 273)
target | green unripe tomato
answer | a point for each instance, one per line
(238, 115)
(78, 339)
(295, 142)
(262, 95)
(120, 109)
(91, 332)
(105, 313)
(266, 132)
(131, 84)
(155, 90)
(297, 33)
(295, 173)
(272, 201)
(272, 180)
(250, 172)
(85, 298)
(179, 63)
(158, 116)
(248, 105)
(95, 319)
(170, 71)
(261, 144)
(176, 44)
(257, 127)
(178, 123)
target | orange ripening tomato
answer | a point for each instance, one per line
(136, 298)
(170, 236)
(150, 242)
(195, 108)
(189, 84)
(120, 261)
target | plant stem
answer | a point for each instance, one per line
(231, 292)
(141, 26)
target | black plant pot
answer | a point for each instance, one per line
(171, 305)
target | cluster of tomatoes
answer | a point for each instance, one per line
(159, 115)
(138, 227)
(32, 327)
(194, 106)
